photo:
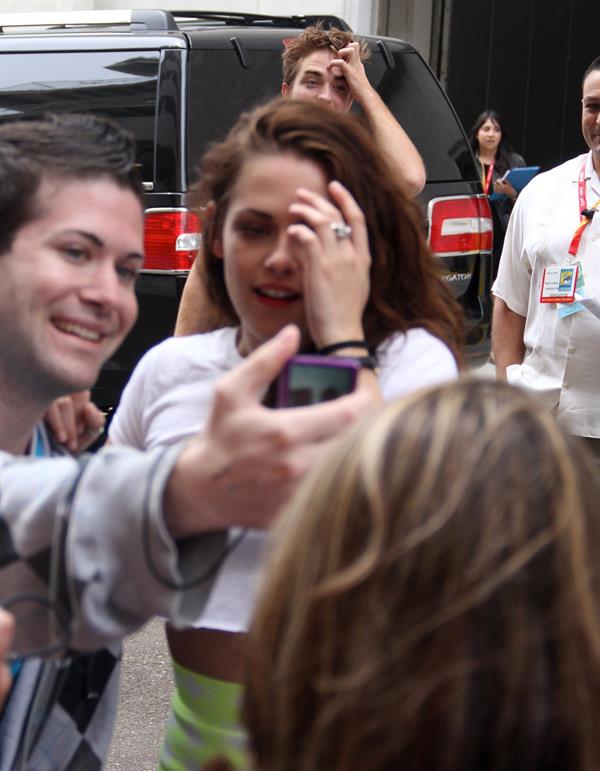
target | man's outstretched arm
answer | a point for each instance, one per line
(197, 312)
(249, 459)
(142, 525)
(402, 155)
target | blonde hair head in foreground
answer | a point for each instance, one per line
(433, 598)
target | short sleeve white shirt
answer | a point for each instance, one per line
(168, 399)
(562, 355)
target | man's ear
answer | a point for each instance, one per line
(210, 214)
(285, 89)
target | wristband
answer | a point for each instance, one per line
(327, 349)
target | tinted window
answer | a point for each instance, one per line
(119, 86)
(415, 97)
(220, 89)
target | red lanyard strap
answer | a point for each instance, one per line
(488, 179)
(586, 214)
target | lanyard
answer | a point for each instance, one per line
(486, 182)
(586, 214)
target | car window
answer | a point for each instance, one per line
(119, 85)
(220, 89)
(414, 96)
(409, 88)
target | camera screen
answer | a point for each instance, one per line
(310, 383)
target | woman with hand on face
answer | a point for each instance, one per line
(495, 156)
(303, 224)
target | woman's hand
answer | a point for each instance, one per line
(7, 629)
(75, 421)
(504, 187)
(335, 269)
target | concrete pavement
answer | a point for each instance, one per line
(146, 687)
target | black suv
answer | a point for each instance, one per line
(179, 80)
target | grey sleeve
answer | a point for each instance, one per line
(90, 534)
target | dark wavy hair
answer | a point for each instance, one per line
(406, 289)
(66, 146)
(505, 148)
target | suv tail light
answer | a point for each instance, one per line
(460, 225)
(171, 239)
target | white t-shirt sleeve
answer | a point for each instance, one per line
(414, 360)
(128, 425)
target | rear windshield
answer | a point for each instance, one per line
(220, 89)
(413, 94)
(114, 84)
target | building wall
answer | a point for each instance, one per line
(360, 14)
(409, 20)
(525, 59)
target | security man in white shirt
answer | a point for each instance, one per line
(546, 326)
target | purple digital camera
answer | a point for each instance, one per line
(312, 379)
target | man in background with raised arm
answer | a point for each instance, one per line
(326, 65)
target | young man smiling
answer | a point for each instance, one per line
(95, 542)
(67, 296)
(71, 245)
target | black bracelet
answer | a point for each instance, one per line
(343, 344)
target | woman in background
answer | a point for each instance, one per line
(494, 153)
(432, 602)
(495, 156)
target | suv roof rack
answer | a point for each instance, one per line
(157, 20)
(261, 19)
(148, 19)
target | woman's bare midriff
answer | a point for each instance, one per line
(208, 652)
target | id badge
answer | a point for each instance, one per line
(559, 283)
(569, 309)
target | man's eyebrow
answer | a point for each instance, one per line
(98, 242)
(254, 213)
(84, 234)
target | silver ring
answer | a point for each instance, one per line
(341, 230)
(94, 431)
